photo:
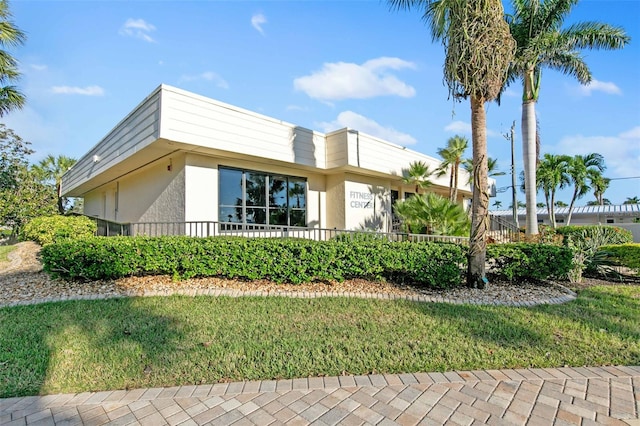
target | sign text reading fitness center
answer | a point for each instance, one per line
(360, 200)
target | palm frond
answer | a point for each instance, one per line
(569, 63)
(594, 35)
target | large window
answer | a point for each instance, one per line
(248, 196)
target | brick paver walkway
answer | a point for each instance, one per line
(553, 396)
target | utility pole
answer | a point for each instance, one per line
(514, 200)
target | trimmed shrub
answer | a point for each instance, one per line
(627, 255)
(281, 260)
(521, 261)
(46, 230)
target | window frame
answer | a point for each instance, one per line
(269, 207)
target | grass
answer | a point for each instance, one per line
(164, 341)
(4, 252)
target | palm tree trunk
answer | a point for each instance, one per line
(451, 184)
(529, 153)
(454, 196)
(553, 209)
(573, 200)
(60, 203)
(480, 205)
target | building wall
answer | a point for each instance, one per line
(367, 203)
(206, 123)
(202, 187)
(154, 193)
(336, 201)
(137, 130)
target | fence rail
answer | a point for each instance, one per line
(212, 229)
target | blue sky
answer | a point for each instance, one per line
(324, 65)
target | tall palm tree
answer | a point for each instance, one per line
(51, 169)
(497, 204)
(579, 168)
(478, 51)
(599, 184)
(452, 156)
(419, 174)
(542, 42)
(492, 168)
(632, 200)
(10, 36)
(552, 174)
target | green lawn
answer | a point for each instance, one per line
(164, 341)
(4, 251)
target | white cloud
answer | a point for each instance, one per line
(74, 90)
(138, 28)
(366, 125)
(342, 80)
(600, 86)
(458, 127)
(621, 152)
(38, 67)
(464, 128)
(257, 21)
(206, 76)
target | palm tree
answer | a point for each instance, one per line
(492, 168)
(478, 51)
(552, 174)
(433, 214)
(497, 204)
(51, 169)
(542, 42)
(599, 184)
(632, 200)
(10, 36)
(579, 168)
(452, 157)
(418, 174)
(560, 203)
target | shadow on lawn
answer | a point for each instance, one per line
(80, 346)
(603, 316)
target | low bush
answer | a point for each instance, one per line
(517, 261)
(585, 241)
(627, 255)
(604, 234)
(49, 229)
(280, 260)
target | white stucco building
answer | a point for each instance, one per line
(181, 157)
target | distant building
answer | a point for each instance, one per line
(181, 157)
(625, 216)
(582, 215)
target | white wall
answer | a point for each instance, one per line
(204, 122)
(201, 189)
(367, 203)
(151, 194)
(136, 131)
(335, 193)
(201, 181)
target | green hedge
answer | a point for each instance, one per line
(280, 260)
(623, 254)
(519, 261)
(607, 234)
(49, 229)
